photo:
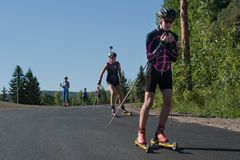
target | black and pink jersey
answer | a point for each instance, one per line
(159, 53)
(112, 72)
(112, 69)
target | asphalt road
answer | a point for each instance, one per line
(80, 133)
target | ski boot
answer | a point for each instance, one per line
(141, 141)
(125, 112)
(113, 111)
(161, 140)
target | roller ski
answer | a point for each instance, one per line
(126, 113)
(145, 147)
(141, 142)
(172, 146)
(65, 104)
(161, 140)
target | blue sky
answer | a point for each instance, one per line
(58, 38)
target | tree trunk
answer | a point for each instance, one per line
(185, 43)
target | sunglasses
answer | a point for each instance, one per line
(111, 57)
(168, 21)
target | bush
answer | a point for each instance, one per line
(223, 103)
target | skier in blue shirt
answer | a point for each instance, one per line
(65, 85)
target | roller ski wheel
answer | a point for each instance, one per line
(172, 146)
(145, 147)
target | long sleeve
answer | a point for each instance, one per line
(152, 46)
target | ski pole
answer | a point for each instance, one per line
(120, 106)
(97, 94)
(60, 87)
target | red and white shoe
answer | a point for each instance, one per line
(161, 137)
(141, 138)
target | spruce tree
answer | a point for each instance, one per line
(124, 84)
(33, 93)
(139, 86)
(4, 94)
(17, 86)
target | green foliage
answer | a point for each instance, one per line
(24, 88)
(137, 95)
(77, 100)
(17, 86)
(214, 47)
(47, 99)
(104, 96)
(210, 103)
(215, 60)
(58, 98)
(91, 98)
(32, 90)
(158, 101)
(124, 84)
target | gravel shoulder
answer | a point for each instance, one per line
(228, 124)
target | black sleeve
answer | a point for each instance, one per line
(150, 49)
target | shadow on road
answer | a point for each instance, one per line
(183, 150)
(122, 115)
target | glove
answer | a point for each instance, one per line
(160, 46)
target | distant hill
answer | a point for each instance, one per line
(51, 93)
